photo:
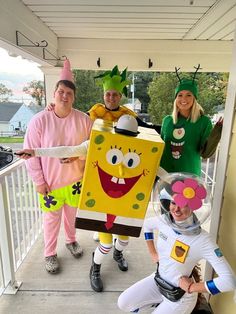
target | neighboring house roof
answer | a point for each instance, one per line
(8, 109)
(24, 114)
(34, 108)
(136, 101)
(136, 106)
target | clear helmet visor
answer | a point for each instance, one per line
(184, 200)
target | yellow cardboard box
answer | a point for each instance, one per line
(119, 175)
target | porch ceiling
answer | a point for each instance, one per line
(138, 19)
(133, 33)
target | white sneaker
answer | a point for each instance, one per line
(96, 236)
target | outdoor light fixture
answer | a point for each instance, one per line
(99, 62)
(150, 63)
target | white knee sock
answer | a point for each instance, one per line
(101, 251)
(121, 244)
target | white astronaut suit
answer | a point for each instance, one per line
(178, 254)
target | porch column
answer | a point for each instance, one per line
(51, 77)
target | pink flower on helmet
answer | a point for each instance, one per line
(189, 193)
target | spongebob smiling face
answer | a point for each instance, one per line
(117, 178)
(120, 171)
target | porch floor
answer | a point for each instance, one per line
(70, 291)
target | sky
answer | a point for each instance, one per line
(16, 72)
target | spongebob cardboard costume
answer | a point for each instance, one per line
(119, 175)
(112, 81)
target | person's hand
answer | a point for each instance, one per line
(50, 107)
(155, 258)
(185, 282)
(25, 153)
(220, 121)
(68, 160)
(43, 189)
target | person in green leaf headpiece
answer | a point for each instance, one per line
(114, 85)
(188, 133)
(115, 80)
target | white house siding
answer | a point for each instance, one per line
(224, 303)
(22, 117)
(4, 126)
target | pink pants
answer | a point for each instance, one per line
(52, 223)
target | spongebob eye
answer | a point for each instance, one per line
(131, 160)
(114, 156)
(179, 133)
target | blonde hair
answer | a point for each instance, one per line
(196, 112)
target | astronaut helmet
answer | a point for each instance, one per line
(185, 201)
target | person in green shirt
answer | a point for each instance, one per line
(188, 133)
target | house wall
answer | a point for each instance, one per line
(213, 55)
(22, 116)
(4, 126)
(15, 16)
(224, 303)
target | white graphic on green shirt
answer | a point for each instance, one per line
(177, 147)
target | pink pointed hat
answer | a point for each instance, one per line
(66, 73)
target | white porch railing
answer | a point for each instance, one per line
(20, 222)
(209, 170)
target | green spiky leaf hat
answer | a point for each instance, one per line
(114, 80)
(187, 84)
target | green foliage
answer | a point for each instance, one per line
(36, 90)
(161, 93)
(5, 93)
(212, 93)
(11, 139)
(212, 87)
(87, 92)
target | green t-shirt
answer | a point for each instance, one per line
(183, 142)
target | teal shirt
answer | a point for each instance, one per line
(183, 142)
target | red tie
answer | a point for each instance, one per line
(110, 220)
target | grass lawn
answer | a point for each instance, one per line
(11, 139)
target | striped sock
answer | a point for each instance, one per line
(101, 251)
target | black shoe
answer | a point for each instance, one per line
(95, 277)
(118, 257)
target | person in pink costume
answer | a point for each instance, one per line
(58, 183)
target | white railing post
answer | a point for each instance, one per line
(20, 222)
(11, 286)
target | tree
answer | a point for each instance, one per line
(36, 90)
(5, 93)
(87, 92)
(212, 93)
(161, 93)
